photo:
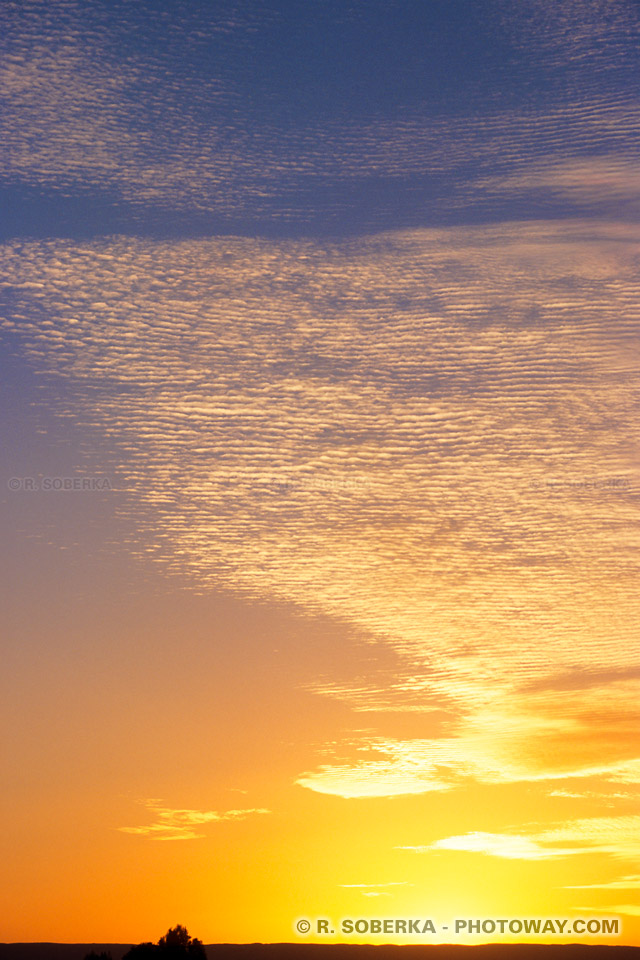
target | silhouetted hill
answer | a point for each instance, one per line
(340, 951)
(356, 951)
(60, 951)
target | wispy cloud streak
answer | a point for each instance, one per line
(180, 824)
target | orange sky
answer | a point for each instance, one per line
(236, 765)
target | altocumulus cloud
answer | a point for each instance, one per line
(616, 837)
(423, 433)
(140, 129)
(181, 824)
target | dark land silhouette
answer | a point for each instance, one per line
(175, 945)
(340, 951)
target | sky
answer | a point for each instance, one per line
(319, 366)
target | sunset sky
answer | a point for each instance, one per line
(325, 312)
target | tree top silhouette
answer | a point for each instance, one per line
(175, 945)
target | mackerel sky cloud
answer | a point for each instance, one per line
(361, 346)
(291, 428)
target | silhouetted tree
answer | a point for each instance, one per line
(178, 945)
(175, 945)
(103, 955)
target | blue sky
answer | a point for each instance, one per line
(312, 119)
